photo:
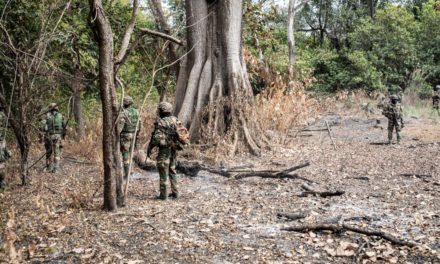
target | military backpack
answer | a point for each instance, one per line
(54, 123)
(132, 115)
(170, 133)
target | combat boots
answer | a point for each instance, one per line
(174, 195)
(56, 166)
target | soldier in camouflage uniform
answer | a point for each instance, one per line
(164, 137)
(393, 112)
(128, 122)
(4, 153)
(436, 98)
(53, 127)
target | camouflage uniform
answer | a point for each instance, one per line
(164, 139)
(4, 153)
(393, 112)
(436, 98)
(128, 121)
(53, 126)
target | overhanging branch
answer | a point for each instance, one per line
(162, 35)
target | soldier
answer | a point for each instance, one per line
(53, 127)
(393, 112)
(128, 122)
(166, 139)
(4, 153)
(436, 98)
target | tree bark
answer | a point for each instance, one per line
(216, 72)
(291, 36)
(107, 88)
(77, 104)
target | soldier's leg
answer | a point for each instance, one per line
(2, 176)
(48, 148)
(56, 140)
(125, 151)
(173, 175)
(390, 130)
(163, 168)
(398, 129)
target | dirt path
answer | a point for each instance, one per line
(221, 220)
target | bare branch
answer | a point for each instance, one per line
(162, 35)
(10, 43)
(128, 32)
(301, 5)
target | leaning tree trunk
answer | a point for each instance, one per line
(216, 73)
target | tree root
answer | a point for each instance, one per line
(310, 190)
(338, 228)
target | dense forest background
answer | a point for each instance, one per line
(343, 45)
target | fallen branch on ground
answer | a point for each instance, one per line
(284, 174)
(338, 228)
(330, 134)
(192, 168)
(420, 176)
(294, 216)
(310, 190)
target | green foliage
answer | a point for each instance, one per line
(389, 43)
(343, 70)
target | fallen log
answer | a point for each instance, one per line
(310, 190)
(339, 228)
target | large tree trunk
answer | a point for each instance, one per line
(107, 90)
(216, 72)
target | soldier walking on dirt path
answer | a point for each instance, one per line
(436, 98)
(129, 125)
(4, 153)
(393, 112)
(53, 128)
(169, 136)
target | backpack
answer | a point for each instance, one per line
(133, 118)
(55, 123)
(170, 132)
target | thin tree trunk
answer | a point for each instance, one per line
(77, 104)
(291, 36)
(107, 86)
(156, 8)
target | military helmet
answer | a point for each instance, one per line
(127, 101)
(53, 106)
(165, 107)
(394, 97)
